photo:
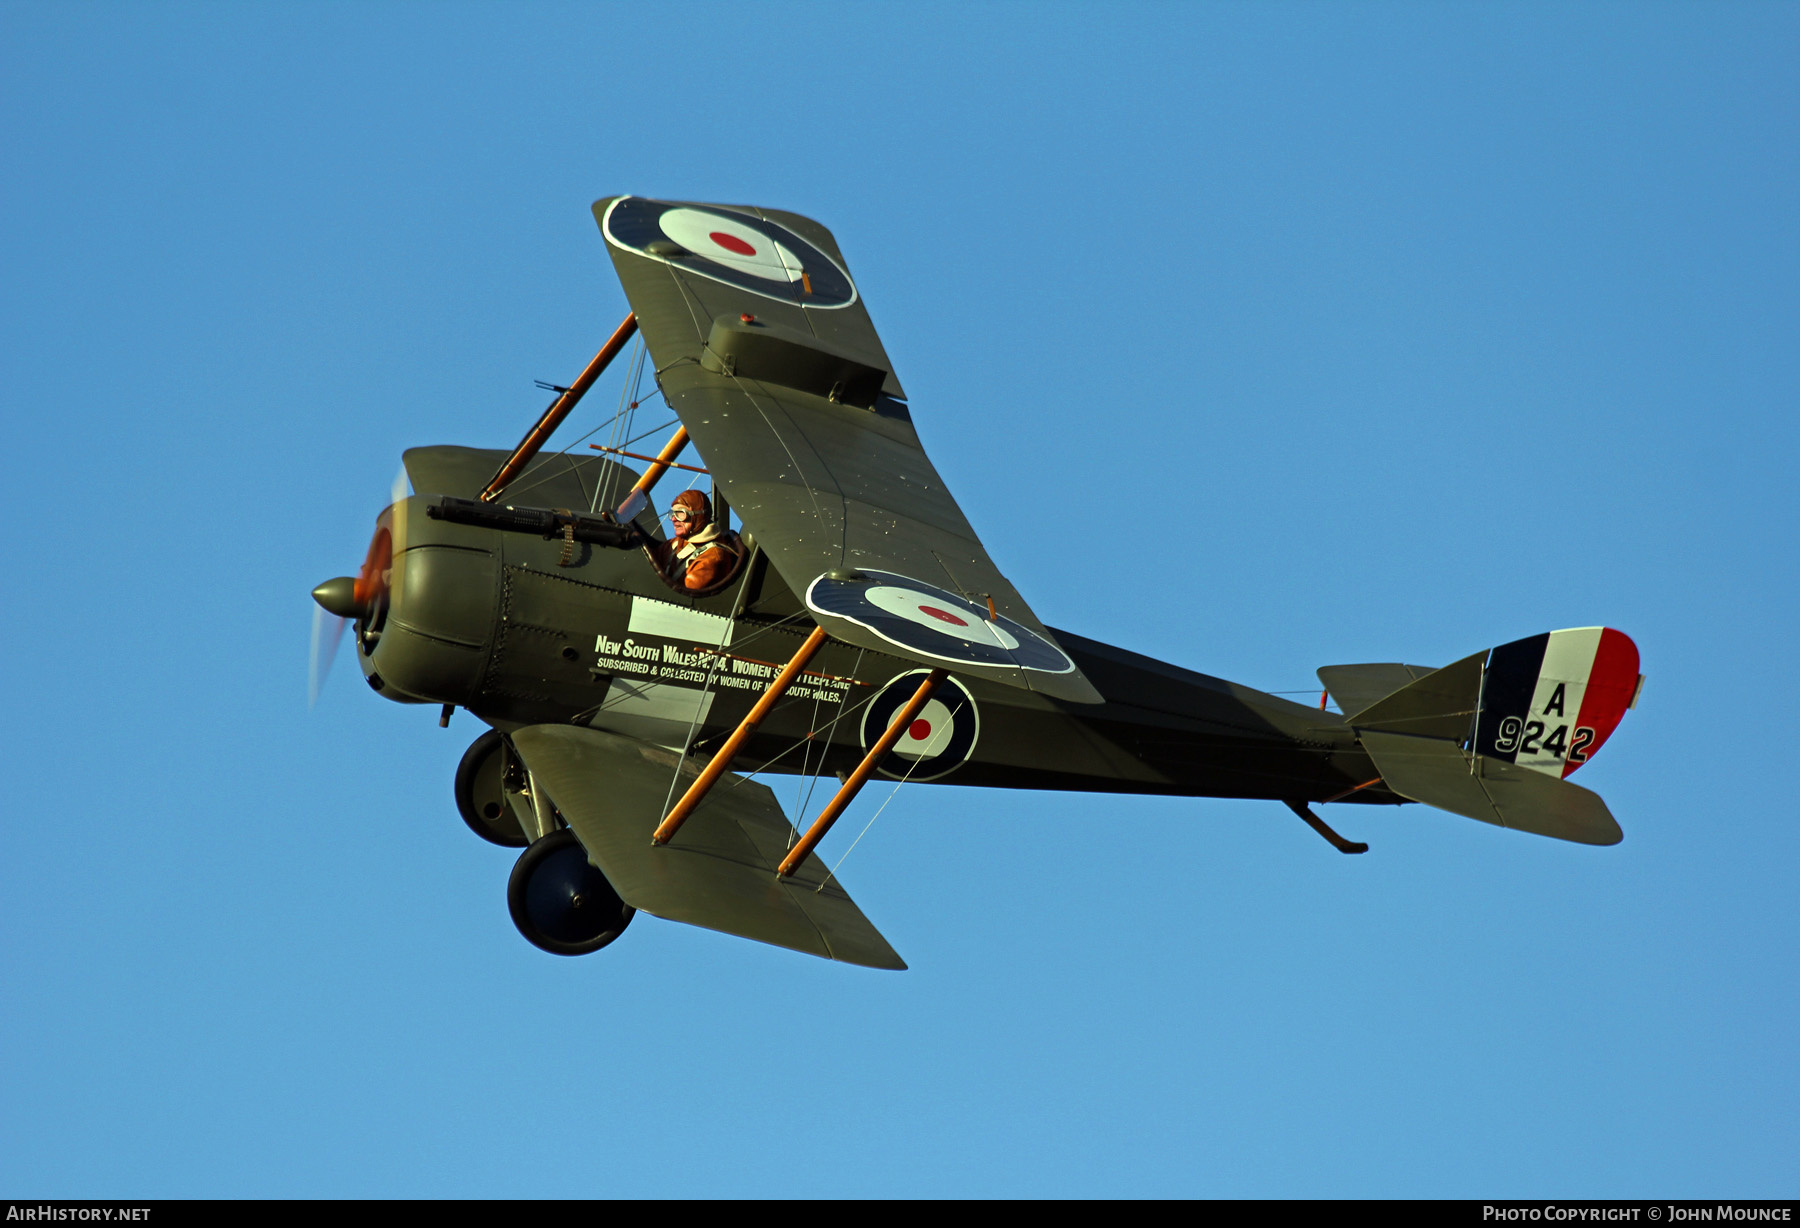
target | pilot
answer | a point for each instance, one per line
(701, 554)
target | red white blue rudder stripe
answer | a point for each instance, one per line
(1549, 701)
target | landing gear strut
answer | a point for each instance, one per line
(560, 902)
(482, 788)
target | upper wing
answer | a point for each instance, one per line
(763, 347)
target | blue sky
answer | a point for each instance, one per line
(1418, 329)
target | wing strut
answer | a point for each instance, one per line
(559, 409)
(710, 776)
(640, 493)
(854, 782)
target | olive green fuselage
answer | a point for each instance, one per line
(522, 631)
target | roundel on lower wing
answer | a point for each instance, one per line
(931, 622)
(739, 249)
(938, 740)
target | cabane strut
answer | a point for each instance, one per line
(559, 409)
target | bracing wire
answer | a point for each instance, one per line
(634, 373)
(830, 727)
(806, 754)
(701, 704)
(832, 873)
(810, 778)
(622, 419)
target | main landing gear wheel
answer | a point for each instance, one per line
(560, 902)
(481, 792)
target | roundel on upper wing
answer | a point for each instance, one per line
(932, 622)
(734, 244)
(937, 741)
(739, 249)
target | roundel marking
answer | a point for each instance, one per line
(737, 248)
(933, 623)
(737, 245)
(926, 608)
(929, 733)
(732, 243)
(939, 740)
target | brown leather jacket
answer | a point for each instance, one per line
(706, 558)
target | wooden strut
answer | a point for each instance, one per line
(559, 409)
(653, 459)
(709, 776)
(854, 782)
(640, 493)
(1319, 825)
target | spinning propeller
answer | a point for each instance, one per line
(361, 598)
(364, 597)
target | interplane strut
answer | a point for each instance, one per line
(854, 782)
(720, 762)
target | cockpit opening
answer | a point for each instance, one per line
(701, 556)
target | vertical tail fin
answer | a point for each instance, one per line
(1548, 702)
(1493, 735)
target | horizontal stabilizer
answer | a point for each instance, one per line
(1442, 774)
(719, 871)
(1439, 705)
(1355, 687)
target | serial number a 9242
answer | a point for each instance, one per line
(1528, 740)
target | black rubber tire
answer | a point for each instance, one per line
(560, 902)
(478, 798)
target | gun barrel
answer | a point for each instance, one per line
(542, 521)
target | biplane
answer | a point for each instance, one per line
(851, 627)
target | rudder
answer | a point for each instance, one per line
(1549, 702)
(1494, 735)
